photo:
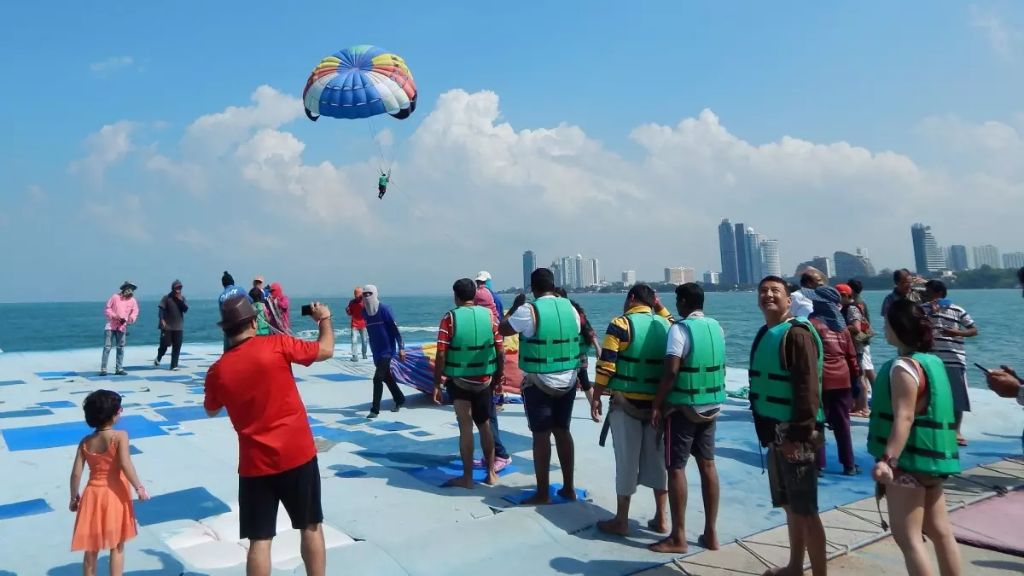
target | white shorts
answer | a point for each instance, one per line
(865, 360)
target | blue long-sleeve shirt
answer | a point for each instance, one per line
(385, 339)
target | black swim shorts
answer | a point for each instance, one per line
(297, 489)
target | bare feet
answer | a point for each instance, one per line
(568, 493)
(783, 571)
(708, 541)
(461, 482)
(675, 545)
(614, 527)
(538, 498)
(658, 525)
(492, 479)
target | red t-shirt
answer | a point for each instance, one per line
(355, 310)
(254, 382)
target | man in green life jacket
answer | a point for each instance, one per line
(549, 349)
(689, 400)
(382, 183)
(629, 369)
(469, 362)
(785, 392)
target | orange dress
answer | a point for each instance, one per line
(106, 517)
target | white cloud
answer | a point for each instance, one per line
(105, 148)
(186, 174)
(196, 239)
(123, 216)
(111, 65)
(216, 134)
(1000, 36)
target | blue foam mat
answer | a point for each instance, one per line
(341, 377)
(26, 413)
(162, 404)
(11, 382)
(519, 497)
(70, 433)
(189, 504)
(113, 378)
(185, 413)
(59, 404)
(439, 475)
(56, 374)
(392, 426)
(24, 508)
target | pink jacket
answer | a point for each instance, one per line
(120, 312)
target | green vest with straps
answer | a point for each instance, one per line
(471, 351)
(771, 394)
(931, 447)
(701, 378)
(555, 345)
(638, 368)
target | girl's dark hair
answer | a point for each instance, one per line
(642, 293)
(256, 295)
(910, 325)
(855, 285)
(100, 407)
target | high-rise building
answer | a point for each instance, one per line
(628, 277)
(987, 255)
(958, 258)
(927, 255)
(754, 256)
(588, 271)
(1013, 260)
(727, 249)
(711, 278)
(853, 265)
(680, 275)
(771, 265)
(742, 255)
(596, 264)
(556, 271)
(529, 265)
(821, 263)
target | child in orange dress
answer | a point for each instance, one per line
(105, 518)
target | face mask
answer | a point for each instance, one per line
(127, 293)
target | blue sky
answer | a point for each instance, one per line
(929, 92)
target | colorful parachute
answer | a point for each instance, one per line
(360, 82)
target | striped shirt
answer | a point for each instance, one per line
(949, 348)
(617, 339)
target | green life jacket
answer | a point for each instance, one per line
(262, 326)
(471, 351)
(771, 395)
(555, 346)
(931, 447)
(701, 378)
(638, 368)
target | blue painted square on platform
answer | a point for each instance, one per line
(69, 433)
(353, 421)
(341, 377)
(554, 498)
(184, 413)
(421, 433)
(113, 378)
(24, 508)
(438, 476)
(57, 374)
(162, 404)
(170, 378)
(28, 412)
(392, 426)
(11, 382)
(190, 504)
(133, 450)
(59, 404)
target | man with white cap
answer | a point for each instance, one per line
(487, 298)
(485, 295)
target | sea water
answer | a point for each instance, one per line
(61, 326)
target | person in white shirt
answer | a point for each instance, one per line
(801, 304)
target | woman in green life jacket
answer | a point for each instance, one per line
(382, 183)
(912, 435)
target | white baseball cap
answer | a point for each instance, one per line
(483, 276)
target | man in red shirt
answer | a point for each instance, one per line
(355, 310)
(276, 454)
(470, 361)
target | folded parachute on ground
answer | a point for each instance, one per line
(360, 82)
(418, 368)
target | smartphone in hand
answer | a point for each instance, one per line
(982, 368)
(307, 310)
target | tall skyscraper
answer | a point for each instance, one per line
(927, 254)
(727, 249)
(853, 265)
(754, 257)
(987, 255)
(712, 278)
(629, 277)
(742, 255)
(958, 258)
(1013, 260)
(588, 271)
(529, 265)
(771, 264)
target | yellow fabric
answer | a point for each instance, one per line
(605, 368)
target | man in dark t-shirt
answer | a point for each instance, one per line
(172, 311)
(277, 462)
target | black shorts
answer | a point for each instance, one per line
(297, 489)
(545, 412)
(793, 484)
(684, 437)
(480, 402)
